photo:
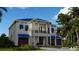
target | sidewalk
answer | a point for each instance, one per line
(57, 49)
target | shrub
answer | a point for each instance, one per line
(53, 46)
(5, 42)
(25, 48)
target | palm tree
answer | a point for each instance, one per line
(75, 28)
(1, 10)
(70, 23)
(64, 20)
(74, 13)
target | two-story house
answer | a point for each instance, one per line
(33, 32)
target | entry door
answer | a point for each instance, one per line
(22, 41)
(41, 40)
(58, 41)
(52, 41)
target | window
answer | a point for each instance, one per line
(58, 42)
(40, 40)
(21, 26)
(41, 29)
(26, 27)
(52, 30)
(48, 40)
(48, 30)
(36, 31)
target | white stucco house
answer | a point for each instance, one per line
(33, 32)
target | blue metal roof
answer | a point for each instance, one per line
(36, 19)
(27, 19)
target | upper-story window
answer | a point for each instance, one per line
(21, 26)
(26, 27)
(48, 30)
(52, 30)
(36, 31)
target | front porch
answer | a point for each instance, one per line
(43, 41)
(23, 39)
(56, 40)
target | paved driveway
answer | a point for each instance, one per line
(57, 49)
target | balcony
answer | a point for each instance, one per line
(42, 32)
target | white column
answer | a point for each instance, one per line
(38, 34)
(29, 40)
(46, 29)
(47, 41)
(44, 41)
(46, 38)
(50, 41)
(38, 27)
(50, 35)
(38, 40)
(55, 41)
(34, 41)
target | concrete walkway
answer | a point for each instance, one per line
(57, 49)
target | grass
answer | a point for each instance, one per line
(6, 49)
(20, 48)
(52, 47)
(55, 46)
(15, 49)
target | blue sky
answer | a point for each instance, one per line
(46, 13)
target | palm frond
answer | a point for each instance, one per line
(3, 8)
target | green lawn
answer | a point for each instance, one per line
(7, 49)
(17, 49)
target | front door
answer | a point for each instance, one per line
(41, 40)
(58, 41)
(22, 41)
(53, 42)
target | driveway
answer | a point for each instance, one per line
(57, 49)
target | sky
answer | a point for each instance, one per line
(13, 13)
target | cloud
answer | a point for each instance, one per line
(19, 7)
(64, 11)
(23, 7)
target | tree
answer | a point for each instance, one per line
(74, 13)
(1, 12)
(70, 23)
(64, 20)
(3, 35)
(5, 42)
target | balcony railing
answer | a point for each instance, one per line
(39, 31)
